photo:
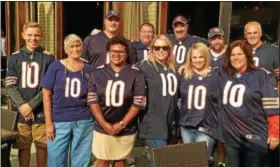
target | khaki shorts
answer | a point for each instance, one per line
(28, 133)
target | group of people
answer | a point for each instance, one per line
(109, 91)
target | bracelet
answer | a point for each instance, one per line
(122, 124)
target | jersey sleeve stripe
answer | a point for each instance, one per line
(139, 100)
(84, 60)
(10, 83)
(271, 107)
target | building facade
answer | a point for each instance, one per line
(61, 18)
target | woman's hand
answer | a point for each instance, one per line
(109, 128)
(50, 131)
(117, 127)
(273, 142)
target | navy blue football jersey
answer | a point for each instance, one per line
(116, 92)
(69, 97)
(25, 71)
(180, 48)
(200, 103)
(141, 49)
(247, 100)
(217, 61)
(160, 117)
(94, 50)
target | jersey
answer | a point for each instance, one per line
(116, 92)
(267, 56)
(180, 48)
(25, 71)
(245, 107)
(69, 92)
(160, 118)
(141, 49)
(200, 103)
(94, 50)
(217, 62)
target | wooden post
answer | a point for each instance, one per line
(163, 17)
(225, 19)
(20, 20)
(58, 30)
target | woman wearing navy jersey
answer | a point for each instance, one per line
(69, 120)
(200, 95)
(116, 94)
(250, 108)
(162, 83)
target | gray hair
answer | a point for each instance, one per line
(257, 24)
(72, 38)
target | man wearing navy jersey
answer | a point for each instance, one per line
(217, 46)
(146, 35)
(265, 56)
(26, 67)
(94, 51)
(182, 40)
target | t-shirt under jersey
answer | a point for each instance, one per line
(69, 92)
(25, 71)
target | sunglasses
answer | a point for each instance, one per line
(164, 48)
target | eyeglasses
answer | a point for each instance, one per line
(164, 48)
(116, 52)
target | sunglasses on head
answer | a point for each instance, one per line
(164, 48)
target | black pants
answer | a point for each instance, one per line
(272, 157)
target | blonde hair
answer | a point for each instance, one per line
(171, 63)
(72, 38)
(203, 49)
(31, 24)
(253, 23)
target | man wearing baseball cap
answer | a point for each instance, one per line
(217, 46)
(94, 51)
(182, 40)
(217, 51)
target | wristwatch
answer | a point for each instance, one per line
(122, 124)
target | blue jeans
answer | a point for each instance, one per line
(244, 157)
(78, 135)
(155, 143)
(193, 135)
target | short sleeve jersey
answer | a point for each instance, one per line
(116, 92)
(180, 48)
(69, 92)
(267, 56)
(141, 49)
(200, 102)
(217, 61)
(25, 71)
(94, 50)
(162, 84)
(247, 100)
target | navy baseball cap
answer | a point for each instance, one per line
(215, 31)
(180, 19)
(114, 13)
